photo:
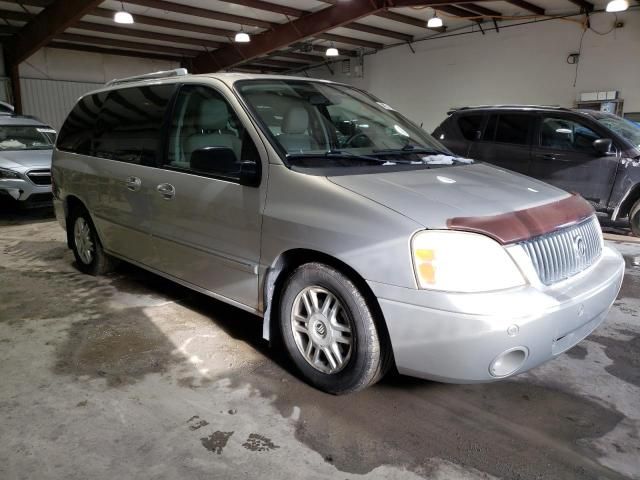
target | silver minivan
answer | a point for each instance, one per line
(361, 241)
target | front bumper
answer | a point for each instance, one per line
(24, 190)
(456, 337)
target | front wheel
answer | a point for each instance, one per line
(329, 331)
(634, 219)
(86, 246)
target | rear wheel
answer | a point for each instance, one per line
(329, 331)
(634, 219)
(86, 245)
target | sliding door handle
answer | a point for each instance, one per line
(133, 183)
(167, 191)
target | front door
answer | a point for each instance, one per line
(206, 226)
(506, 141)
(564, 156)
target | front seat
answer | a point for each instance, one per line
(294, 127)
(211, 125)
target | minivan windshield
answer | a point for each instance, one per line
(625, 128)
(319, 124)
(27, 137)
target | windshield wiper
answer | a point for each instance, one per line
(347, 155)
(409, 148)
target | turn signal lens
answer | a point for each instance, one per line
(453, 261)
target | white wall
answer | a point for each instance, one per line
(524, 64)
(52, 79)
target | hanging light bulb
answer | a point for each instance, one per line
(617, 6)
(435, 21)
(332, 51)
(123, 16)
(242, 36)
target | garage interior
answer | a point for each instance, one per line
(133, 376)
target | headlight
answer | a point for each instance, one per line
(8, 174)
(462, 262)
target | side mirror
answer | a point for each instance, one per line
(603, 146)
(214, 160)
(250, 174)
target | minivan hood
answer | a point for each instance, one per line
(432, 196)
(25, 159)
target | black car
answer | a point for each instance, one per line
(592, 153)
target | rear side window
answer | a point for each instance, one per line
(470, 126)
(130, 124)
(76, 133)
(509, 128)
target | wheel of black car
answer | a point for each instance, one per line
(86, 245)
(634, 219)
(329, 330)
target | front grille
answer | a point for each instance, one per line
(561, 254)
(40, 177)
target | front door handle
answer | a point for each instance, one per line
(548, 156)
(167, 191)
(133, 183)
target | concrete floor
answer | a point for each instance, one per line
(131, 376)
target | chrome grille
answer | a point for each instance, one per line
(561, 254)
(40, 177)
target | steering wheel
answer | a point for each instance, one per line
(365, 141)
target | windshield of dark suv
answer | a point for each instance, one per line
(318, 124)
(625, 128)
(15, 137)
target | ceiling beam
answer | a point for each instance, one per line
(42, 28)
(455, 11)
(111, 51)
(474, 7)
(527, 6)
(349, 40)
(583, 4)
(303, 57)
(172, 24)
(311, 25)
(269, 7)
(145, 34)
(202, 13)
(383, 32)
(112, 42)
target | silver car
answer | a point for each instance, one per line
(361, 241)
(26, 145)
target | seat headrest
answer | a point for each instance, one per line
(296, 121)
(214, 114)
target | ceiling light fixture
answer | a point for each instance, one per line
(617, 6)
(123, 16)
(435, 21)
(332, 51)
(242, 36)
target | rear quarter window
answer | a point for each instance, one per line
(76, 133)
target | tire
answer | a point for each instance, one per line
(86, 246)
(634, 219)
(348, 333)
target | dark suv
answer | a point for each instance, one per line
(592, 153)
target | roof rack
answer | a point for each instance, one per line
(513, 105)
(178, 72)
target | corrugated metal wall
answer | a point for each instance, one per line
(52, 100)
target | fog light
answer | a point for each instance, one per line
(508, 362)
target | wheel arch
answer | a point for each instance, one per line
(627, 203)
(286, 263)
(70, 203)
